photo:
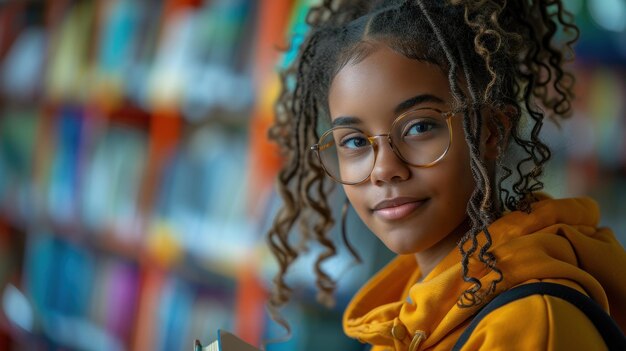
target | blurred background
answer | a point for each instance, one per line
(136, 181)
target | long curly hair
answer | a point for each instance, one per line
(506, 55)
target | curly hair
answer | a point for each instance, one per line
(497, 53)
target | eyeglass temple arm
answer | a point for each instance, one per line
(318, 147)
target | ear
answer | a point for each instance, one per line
(497, 130)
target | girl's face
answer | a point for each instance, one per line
(410, 209)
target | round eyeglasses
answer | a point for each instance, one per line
(419, 137)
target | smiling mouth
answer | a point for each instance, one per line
(396, 209)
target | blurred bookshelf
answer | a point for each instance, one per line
(136, 181)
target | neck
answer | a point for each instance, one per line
(428, 259)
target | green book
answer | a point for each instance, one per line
(226, 342)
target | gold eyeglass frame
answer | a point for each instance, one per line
(446, 115)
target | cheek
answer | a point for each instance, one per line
(355, 196)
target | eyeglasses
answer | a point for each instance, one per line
(419, 137)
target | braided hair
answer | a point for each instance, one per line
(495, 53)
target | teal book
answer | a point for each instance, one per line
(225, 342)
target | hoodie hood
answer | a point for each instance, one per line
(558, 240)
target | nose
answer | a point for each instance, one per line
(388, 167)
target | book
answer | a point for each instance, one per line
(225, 342)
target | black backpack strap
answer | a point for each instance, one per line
(606, 326)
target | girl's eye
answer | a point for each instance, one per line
(420, 127)
(354, 142)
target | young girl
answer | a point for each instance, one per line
(428, 113)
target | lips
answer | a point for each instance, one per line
(397, 208)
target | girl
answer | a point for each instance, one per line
(428, 113)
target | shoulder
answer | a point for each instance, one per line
(536, 322)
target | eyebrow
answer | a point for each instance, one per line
(345, 121)
(401, 107)
(416, 100)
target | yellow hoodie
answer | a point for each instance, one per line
(559, 242)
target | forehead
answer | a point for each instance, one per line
(376, 85)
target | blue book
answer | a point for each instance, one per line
(225, 342)
(63, 186)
